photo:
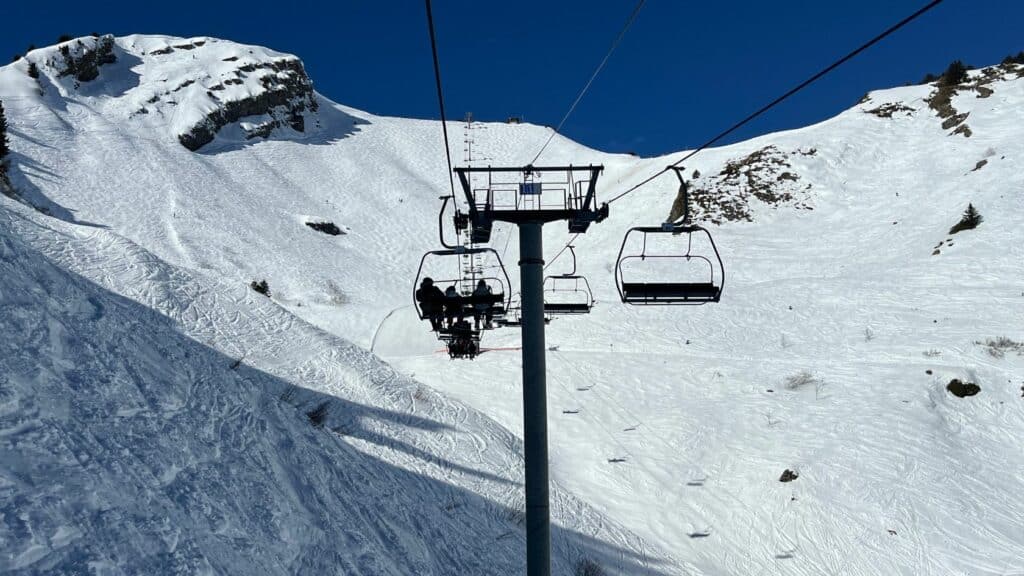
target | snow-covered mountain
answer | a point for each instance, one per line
(159, 416)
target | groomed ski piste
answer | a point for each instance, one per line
(159, 416)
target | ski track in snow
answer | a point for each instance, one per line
(451, 457)
(434, 463)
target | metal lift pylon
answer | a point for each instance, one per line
(529, 197)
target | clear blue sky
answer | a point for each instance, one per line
(685, 71)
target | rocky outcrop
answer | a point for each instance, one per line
(287, 94)
(979, 82)
(962, 389)
(766, 175)
(82, 58)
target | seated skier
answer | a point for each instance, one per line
(431, 301)
(483, 306)
(453, 305)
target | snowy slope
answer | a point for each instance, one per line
(831, 271)
(168, 430)
(156, 416)
(850, 292)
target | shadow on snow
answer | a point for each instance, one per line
(215, 464)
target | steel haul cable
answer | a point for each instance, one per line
(791, 92)
(615, 44)
(440, 97)
(888, 31)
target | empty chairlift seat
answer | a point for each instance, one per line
(684, 274)
(567, 294)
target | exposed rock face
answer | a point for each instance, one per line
(286, 95)
(962, 389)
(197, 89)
(329, 228)
(979, 81)
(83, 57)
(890, 109)
(765, 175)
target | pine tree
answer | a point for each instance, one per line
(968, 221)
(955, 74)
(4, 147)
(33, 70)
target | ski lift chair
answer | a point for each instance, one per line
(690, 289)
(567, 294)
(497, 300)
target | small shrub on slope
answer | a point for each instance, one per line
(260, 286)
(955, 74)
(805, 379)
(998, 347)
(800, 380)
(969, 221)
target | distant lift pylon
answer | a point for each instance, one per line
(530, 197)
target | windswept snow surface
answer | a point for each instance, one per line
(838, 281)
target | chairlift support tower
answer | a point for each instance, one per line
(530, 197)
(467, 139)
